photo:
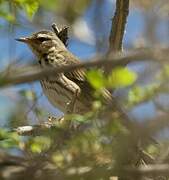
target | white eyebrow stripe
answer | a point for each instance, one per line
(43, 36)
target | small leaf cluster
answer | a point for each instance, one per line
(118, 78)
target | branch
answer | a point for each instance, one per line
(33, 130)
(149, 170)
(39, 129)
(34, 74)
(118, 25)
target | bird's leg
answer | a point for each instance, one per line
(71, 105)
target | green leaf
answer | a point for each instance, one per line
(78, 118)
(20, 2)
(96, 78)
(58, 158)
(152, 149)
(7, 16)
(85, 118)
(51, 5)
(39, 144)
(136, 94)
(30, 8)
(121, 77)
(28, 94)
(166, 69)
(8, 139)
(96, 105)
(116, 127)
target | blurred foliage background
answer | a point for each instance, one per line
(102, 151)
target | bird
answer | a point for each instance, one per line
(70, 92)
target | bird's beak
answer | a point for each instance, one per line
(23, 39)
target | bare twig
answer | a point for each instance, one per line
(38, 129)
(34, 130)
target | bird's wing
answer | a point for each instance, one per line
(78, 76)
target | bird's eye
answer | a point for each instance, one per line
(41, 39)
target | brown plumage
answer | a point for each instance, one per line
(62, 88)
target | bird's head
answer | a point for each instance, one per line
(43, 42)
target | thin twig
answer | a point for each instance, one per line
(38, 129)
